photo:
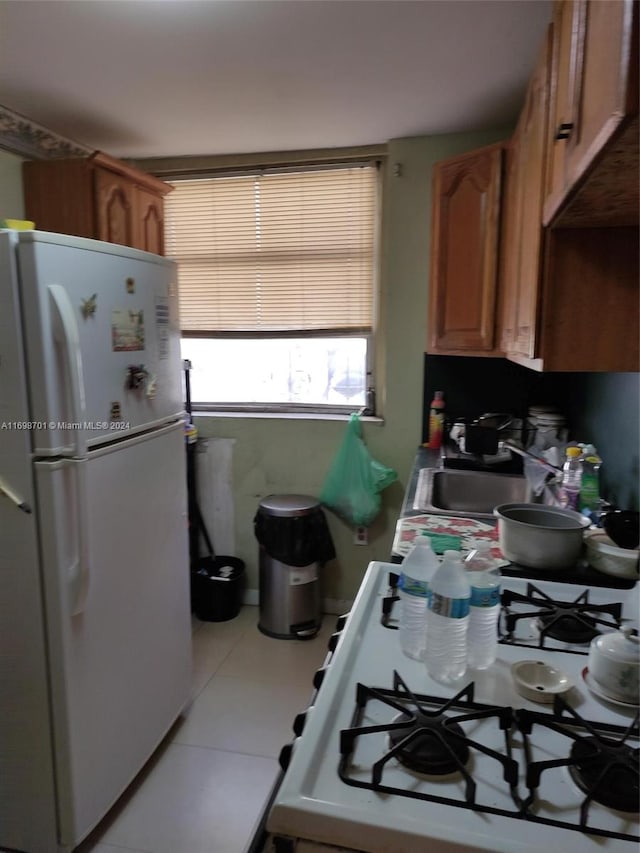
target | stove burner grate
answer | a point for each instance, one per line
(428, 737)
(561, 623)
(601, 761)
(574, 621)
(425, 744)
(607, 771)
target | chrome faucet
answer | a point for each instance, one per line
(514, 448)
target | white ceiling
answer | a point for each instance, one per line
(150, 78)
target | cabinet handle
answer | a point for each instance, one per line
(564, 130)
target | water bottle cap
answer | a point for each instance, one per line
(573, 452)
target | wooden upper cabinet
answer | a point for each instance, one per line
(590, 305)
(522, 238)
(568, 296)
(149, 221)
(593, 140)
(97, 197)
(464, 253)
(564, 54)
(114, 208)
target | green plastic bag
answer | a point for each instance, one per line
(354, 482)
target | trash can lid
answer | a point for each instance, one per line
(288, 505)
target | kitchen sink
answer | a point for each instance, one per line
(473, 493)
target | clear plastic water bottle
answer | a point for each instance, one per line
(418, 567)
(448, 620)
(572, 478)
(484, 578)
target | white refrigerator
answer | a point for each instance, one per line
(95, 629)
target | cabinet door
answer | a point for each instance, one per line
(531, 162)
(562, 94)
(594, 89)
(522, 235)
(464, 252)
(115, 208)
(149, 221)
(603, 83)
(510, 245)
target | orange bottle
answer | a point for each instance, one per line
(436, 421)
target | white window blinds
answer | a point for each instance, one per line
(263, 254)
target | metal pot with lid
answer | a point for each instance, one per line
(614, 664)
(539, 536)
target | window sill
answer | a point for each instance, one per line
(294, 416)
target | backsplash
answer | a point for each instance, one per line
(601, 408)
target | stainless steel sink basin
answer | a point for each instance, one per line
(474, 493)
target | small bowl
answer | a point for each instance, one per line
(622, 527)
(606, 557)
(539, 681)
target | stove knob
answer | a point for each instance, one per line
(285, 755)
(342, 621)
(318, 678)
(387, 607)
(333, 641)
(298, 723)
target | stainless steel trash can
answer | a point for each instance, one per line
(295, 543)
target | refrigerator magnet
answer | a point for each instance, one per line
(88, 307)
(127, 330)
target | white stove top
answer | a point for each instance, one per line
(315, 804)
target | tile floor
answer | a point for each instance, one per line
(205, 788)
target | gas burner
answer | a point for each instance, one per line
(607, 770)
(602, 761)
(572, 622)
(426, 744)
(563, 623)
(428, 737)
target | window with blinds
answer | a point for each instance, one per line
(276, 277)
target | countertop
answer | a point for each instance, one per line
(411, 522)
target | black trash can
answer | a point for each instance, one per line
(217, 586)
(294, 544)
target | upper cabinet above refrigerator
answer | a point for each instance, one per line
(98, 197)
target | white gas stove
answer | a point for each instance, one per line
(495, 771)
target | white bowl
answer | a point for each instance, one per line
(539, 681)
(605, 556)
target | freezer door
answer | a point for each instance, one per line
(116, 578)
(102, 341)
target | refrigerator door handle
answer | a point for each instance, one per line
(80, 570)
(65, 332)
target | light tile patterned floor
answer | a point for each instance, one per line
(205, 788)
